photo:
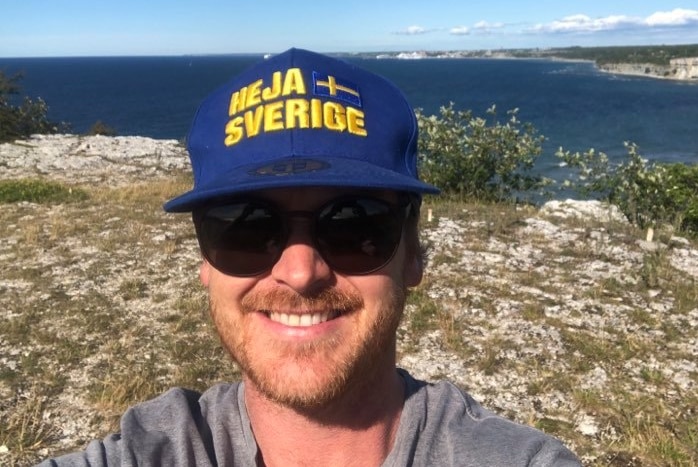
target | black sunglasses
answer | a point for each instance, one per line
(353, 234)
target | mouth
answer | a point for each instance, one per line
(302, 319)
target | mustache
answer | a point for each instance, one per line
(328, 299)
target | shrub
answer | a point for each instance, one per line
(478, 158)
(25, 119)
(648, 193)
(683, 193)
(101, 128)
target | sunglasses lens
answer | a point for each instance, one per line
(359, 235)
(353, 235)
(242, 239)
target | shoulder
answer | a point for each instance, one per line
(452, 426)
(443, 399)
(172, 429)
(179, 403)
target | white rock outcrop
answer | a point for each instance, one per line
(685, 68)
(121, 159)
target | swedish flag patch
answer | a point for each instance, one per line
(329, 86)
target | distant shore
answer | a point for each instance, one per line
(678, 63)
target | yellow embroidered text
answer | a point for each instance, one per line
(266, 107)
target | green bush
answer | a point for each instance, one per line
(38, 191)
(658, 54)
(683, 193)
(648, 193)
(478, 158)
(25, 119)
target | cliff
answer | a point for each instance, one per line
(685, 69)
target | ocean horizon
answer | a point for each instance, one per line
(572, 104)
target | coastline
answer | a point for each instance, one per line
(683, 69)
(648, 70)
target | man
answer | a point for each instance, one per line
(305, 204)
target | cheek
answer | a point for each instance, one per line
(222, 288)
(376, 287)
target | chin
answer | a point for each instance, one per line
(305, 377)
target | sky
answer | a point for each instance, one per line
(46, 28)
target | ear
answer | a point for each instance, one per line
(205, 273)
(413, 270)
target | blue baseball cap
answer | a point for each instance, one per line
(301, 119)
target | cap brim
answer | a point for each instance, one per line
(298, 172)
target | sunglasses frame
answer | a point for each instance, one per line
(406, 206)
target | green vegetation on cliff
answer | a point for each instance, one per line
(658, 55)
(485, 159)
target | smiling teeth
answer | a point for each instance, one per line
(295, 320)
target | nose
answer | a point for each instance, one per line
(301, 267)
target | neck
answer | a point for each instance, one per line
(357, 429)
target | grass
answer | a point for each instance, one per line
(24, 430)
(39, 191)
(102, 308)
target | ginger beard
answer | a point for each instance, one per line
(311, 374)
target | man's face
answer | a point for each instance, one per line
(302, 333)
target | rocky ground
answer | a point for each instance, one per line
(93, 160)
(563, 317)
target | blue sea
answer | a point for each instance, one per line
(571, 103)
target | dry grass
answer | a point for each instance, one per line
(102, 309)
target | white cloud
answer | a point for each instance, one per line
(479, 27)
(413, 31)
(460, 31)
(487, 26)
(583, 23)
(682, 21)
(677, 17)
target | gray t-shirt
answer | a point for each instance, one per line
(440, 425)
